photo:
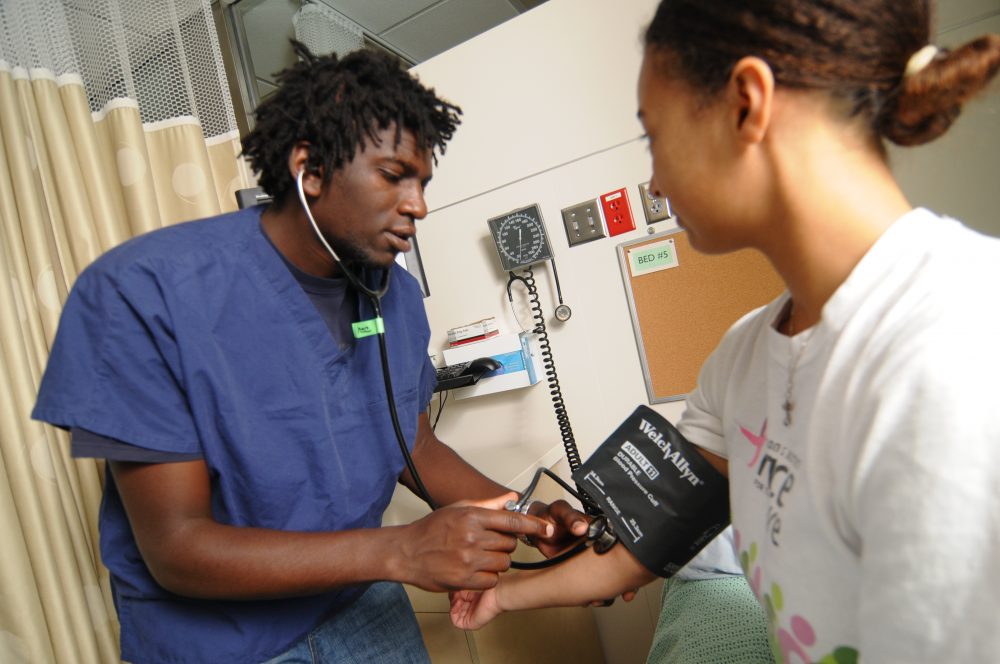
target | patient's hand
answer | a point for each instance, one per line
(474, 609)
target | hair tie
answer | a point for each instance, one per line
(919, 60)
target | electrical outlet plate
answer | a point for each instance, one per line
(617, 212)
(655, 209)
(583, 222)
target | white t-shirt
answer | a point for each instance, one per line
(872, 521)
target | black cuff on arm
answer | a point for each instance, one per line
(87, 444)
(663, 499)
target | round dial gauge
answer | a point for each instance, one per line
(520, 238)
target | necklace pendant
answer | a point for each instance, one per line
(788, 407)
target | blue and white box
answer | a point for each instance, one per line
(517, 354)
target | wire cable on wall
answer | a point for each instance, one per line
(442, 400)
(551, 375)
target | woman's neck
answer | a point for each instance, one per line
(836, 198)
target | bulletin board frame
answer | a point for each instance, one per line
(684, 304)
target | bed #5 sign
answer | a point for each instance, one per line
(652, 257)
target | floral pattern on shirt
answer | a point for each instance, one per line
(791, 635)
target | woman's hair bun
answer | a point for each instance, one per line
(928, 101)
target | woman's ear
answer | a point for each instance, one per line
(298, 162)
(750, 91)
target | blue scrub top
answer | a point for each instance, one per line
(196, 339)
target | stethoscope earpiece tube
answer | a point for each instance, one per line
(351, 277)
(376, 300)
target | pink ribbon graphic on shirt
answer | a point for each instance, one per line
(757, 440)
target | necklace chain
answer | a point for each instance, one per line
(793, 363)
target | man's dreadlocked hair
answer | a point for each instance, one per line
(338, 105)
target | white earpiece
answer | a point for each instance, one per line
(312, 221)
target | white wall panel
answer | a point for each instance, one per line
(447, 24)
(955, 13)
(957, 174)
(554, 84)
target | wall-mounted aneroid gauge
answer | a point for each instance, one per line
(520, 238)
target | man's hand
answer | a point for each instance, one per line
(463, 546)
(569, 525)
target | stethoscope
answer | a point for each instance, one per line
(377, 327)
(374, 295)
(598, 531)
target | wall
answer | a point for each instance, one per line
(549, 119)
(957, 174)
(549, 101)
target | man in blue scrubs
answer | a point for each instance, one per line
(251, 453)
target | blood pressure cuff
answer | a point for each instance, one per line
(664, 500)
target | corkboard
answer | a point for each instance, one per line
(679, 314)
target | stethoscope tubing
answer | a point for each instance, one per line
(375, 296)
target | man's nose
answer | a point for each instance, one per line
(413, 204)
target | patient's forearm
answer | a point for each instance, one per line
(581, 580)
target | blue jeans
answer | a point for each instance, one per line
(379, 628)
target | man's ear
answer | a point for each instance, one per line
(750, 91)
(298, 161)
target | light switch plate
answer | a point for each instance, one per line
(583, 222)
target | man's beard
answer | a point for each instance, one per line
(355, 257)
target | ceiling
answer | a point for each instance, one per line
(415, 30)
(420, 29)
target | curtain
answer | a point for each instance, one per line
(115, 119)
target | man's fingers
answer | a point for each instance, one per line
(492, 515)
(573, 520)
(481, 581)
(498, 503)
(520, 524)
(514, 523)
(492, 540)
(492, 563)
